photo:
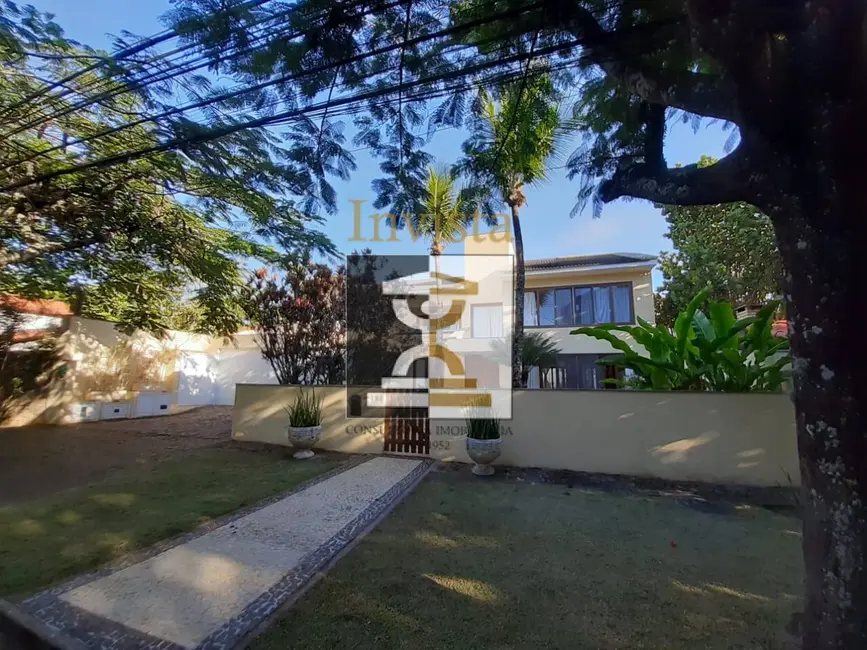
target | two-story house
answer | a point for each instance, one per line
(563, 293)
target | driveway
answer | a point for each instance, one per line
(39, 461)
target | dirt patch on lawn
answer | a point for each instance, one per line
(39, 461)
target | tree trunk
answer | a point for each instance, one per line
(518, 331)
(822, 251)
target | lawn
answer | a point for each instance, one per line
(513, 565)
(46, 541)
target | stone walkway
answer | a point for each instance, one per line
(209, 591)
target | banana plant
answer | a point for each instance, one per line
(703, 351)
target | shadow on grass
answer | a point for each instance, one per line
(479, 566)
(47, 541)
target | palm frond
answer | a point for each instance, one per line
(444, 216)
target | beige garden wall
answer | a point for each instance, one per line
(259, 416)
(746, 439)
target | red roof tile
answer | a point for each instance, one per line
(37, 306)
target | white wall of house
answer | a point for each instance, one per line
(197, 378)
(241, 366)
(211, 378)
(207, 367)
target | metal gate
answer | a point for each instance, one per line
(408, 435)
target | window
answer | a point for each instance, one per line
(487, 321)
(585, 305)
(622, 303)
(602, 304)
(546, 308)
(562, 307)
(555, 307)
(531, 314)
(574, 372)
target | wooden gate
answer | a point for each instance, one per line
(408, 435)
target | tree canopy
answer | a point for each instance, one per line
(728, 248)
(129, 239)
(789, 75)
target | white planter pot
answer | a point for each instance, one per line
(303, 439)
(483, 453)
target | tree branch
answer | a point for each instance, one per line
(10, 257)
(699, 93)
(654, 134)
(723, 182)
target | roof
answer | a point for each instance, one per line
(589, 261)
(36, 306)
(780, 328)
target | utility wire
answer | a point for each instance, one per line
(177, 69)
(145, 44)
(214, 134)
(292, 77)
(172, 72)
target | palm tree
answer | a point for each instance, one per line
(537, 350)
(443, 217)
(513, 137)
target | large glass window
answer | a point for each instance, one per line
(546, 307)
(586, 305)
(602, 304)
(574, 372)
(562, 307)
(622, 303)
(531, 314)
(583, 306)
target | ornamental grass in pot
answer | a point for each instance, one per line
(305, 423)
(483, 443)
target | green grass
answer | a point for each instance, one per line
(46, 541)
(505, 565)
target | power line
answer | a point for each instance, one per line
(270, 120)
(168, 74)
(145, 44)
(292, 77)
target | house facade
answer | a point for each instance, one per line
(565, 293)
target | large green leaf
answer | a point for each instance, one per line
(705, 332)
(683, 325)
(722, 316)
(604, 334)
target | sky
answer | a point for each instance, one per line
(624, 226)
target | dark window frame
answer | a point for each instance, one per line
(570, 366)
(572, 288)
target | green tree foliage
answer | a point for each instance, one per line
(371, 349)
(26, 369)
(131, 237)
(537, 351)
(702, 351)
(516, 131)
(299, 317)
(187, 316)
(443, 218)
(786, 77)
(728, 248)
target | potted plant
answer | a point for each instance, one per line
(483, 443)
(305, 423)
